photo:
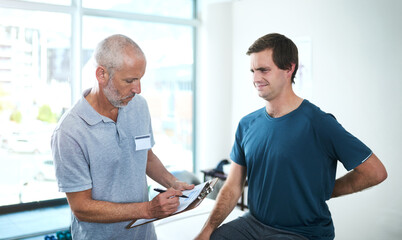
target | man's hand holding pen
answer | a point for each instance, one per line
(167, 202)
(164, 204)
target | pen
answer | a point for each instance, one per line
(162, 191)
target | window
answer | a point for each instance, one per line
(172, 8)
(59, 2)
(34, 57)
(38, 80)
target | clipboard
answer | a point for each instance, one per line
(208, 188)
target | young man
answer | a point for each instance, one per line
(288, 151)
(102, 149)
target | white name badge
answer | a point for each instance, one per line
(142, 142)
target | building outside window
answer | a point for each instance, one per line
(41, 42)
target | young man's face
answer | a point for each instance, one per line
(268, 79)
(125, 83)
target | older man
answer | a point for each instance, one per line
(102, 149)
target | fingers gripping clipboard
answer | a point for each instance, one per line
(195, 195)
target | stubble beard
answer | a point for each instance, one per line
(113, 95)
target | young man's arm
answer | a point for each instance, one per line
(226, 200)
(369, 173)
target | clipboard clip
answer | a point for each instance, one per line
(208, 188)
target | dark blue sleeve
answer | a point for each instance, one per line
(237, 154)
(340, 144)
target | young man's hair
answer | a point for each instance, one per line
(284, 51)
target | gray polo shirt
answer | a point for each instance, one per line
(92, 151)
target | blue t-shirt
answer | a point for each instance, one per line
(291, 166)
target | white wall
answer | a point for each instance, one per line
(214, 85)
(356, 64)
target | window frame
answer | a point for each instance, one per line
(77, 12)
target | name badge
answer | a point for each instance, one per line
(142, 142)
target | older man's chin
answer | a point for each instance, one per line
(124, 102)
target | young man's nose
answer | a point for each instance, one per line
(256, 77)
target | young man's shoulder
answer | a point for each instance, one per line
(253, 115)
(317, 118)
(314, 111)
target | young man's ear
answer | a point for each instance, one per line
(102, 75)
(291, 70)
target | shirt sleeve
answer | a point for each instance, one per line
(72, 170)
(237, 153)
(340, 144)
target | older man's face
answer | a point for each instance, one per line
(125, 82)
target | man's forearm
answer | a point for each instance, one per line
(225, 203)
(109, 212)
(89, 210)
(369, 173)
(350, 183)
(347, 185)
